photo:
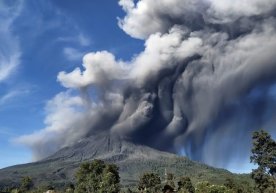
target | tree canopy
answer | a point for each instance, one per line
(264, 155)
(149, 182)
(97, 176)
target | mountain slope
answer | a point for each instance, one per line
(133, 160)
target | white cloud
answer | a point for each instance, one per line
(13, 95)
(9, 48)
(80, 39)
(83, 40)
(72, 54)
(8, 96)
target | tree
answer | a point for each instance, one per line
(262, 180)
(110, 180)
(237, 188)
(185, 184)
(149, 182)
(26, 184)
(97, 177)
(264, 155)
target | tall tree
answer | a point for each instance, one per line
(97, 176)
(264, 155)
(110, 180)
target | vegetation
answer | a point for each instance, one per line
(100, 177)
(97, 176)
(26, 184)
(206, 187)
(185, 185)
(264, 155)
(149, 182)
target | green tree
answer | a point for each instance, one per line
(185, 184)
(237, 188)
(264, 155)
(110, 180)
(99, 177)
(149, 182)
(26, 184)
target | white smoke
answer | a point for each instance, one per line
(162, 15)
(99, 69)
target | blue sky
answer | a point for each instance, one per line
(44, 38)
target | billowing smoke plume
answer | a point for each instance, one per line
(203, 83)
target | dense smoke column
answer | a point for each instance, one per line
(157, 97)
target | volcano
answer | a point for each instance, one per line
(133, 160)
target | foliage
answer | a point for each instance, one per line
(238, 187)
(229, 183)
(149, 182)
(26, 184)
(97, 176)
(185, 184)
(206, 187)
(110, 179)
(202, 186)
(264, 182)
(264, 155)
